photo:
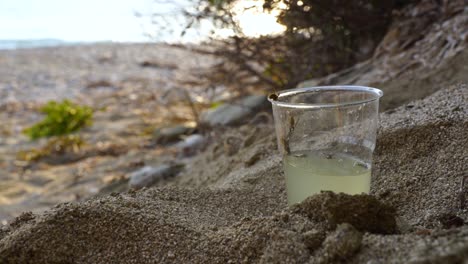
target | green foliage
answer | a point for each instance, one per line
(216, 2)
(320, 37)
(56, 146)
(215, 105)
(61, 119)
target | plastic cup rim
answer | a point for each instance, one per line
(377, 92)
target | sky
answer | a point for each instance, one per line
(103, 20)
(73, 20)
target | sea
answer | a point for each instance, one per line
(33, 43)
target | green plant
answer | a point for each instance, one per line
(61, 119)
(215, 105)
(55, 146)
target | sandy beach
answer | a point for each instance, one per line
(243, 217)
(227, 201)
(109, 78)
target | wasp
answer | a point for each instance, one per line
(273, 96)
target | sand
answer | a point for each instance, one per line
(134, 89)
(125, 97)
(242, 217)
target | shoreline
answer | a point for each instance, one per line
(29, 44)
(58, 72)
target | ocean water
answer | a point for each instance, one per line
(33, 43)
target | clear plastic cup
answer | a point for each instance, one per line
(327, 136)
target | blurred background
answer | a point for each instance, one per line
(103, 96)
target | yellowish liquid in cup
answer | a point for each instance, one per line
(309, 173)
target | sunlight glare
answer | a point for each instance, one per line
(255, 22)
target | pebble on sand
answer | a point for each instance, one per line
(148, 175)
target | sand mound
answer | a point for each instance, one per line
(184, 225)
(421, 157)
(243, 217)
